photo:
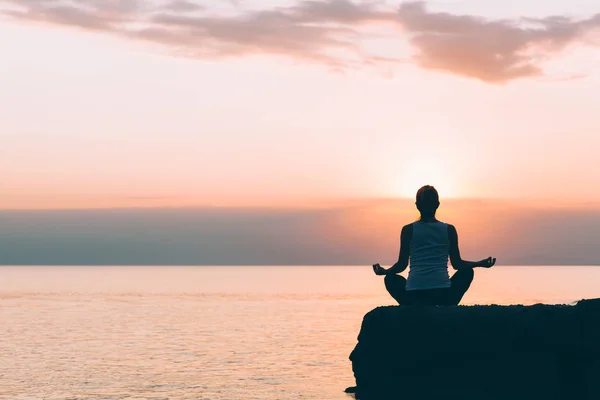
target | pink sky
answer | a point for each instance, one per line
(109, 104)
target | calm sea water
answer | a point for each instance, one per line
(211, 332)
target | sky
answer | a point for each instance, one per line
(249, 109)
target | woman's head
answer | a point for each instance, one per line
(428, 201)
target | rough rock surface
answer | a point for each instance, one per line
(479, 352)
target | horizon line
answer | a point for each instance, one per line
(266, 265)
(323, 203)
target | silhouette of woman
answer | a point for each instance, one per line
(428, 243)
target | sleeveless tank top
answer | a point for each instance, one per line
(429, 248)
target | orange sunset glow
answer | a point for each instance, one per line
(340, 107)
(126, 119)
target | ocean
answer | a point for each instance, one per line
(212, 332)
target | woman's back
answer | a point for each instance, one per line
(429, 249)
(426, 245)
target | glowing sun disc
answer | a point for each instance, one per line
(411, 179)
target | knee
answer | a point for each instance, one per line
(470, 273)
(394, 280)
(463, 276)
(387, 279)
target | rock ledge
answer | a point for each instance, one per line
(479, 352)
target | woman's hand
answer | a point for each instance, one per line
(487, 263)
(379, 270)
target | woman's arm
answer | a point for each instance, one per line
(403, 256)
(456, 259)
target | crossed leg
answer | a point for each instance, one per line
(396, 287)
(459, 284)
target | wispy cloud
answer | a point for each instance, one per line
(330, 32)
(183, 6)
(493, 51)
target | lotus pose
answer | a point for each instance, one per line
(428, 243)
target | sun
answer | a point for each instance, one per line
(417, 175)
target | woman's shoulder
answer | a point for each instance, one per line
(407, 229)
(451, 229)
(443, 223)
(449, 225)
